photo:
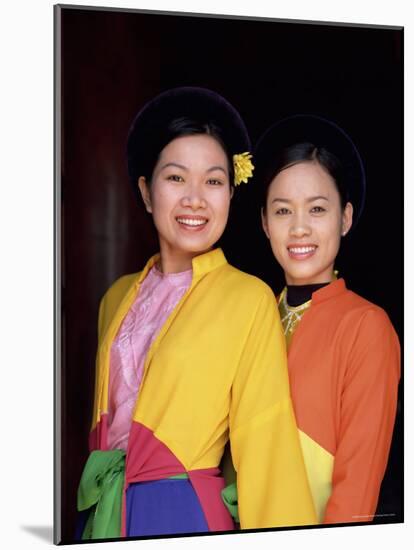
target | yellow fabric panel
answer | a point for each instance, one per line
(268, 461)
(272, 486)
(193, 406)
(319, 466)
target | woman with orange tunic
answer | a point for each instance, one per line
(343, 353)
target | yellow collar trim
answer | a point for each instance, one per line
(202, 264)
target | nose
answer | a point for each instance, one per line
(300, 226)
(193, 198)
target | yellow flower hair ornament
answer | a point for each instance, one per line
(243, 167)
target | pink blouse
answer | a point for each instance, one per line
(158, 296)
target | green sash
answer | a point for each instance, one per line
(101, 487)
(229, 497)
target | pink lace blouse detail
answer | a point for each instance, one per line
(158, 296)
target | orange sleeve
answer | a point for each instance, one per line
(368, 408)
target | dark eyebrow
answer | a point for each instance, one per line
(310, 199)
(318, 197)
(175, 164)
(277, 199)
(182, 167)
(217, 168)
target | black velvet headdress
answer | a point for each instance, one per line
(321, 133)
(195, 103)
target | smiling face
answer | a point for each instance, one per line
(189, 198)
(304, 221)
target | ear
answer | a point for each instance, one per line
(347, 218)
(264, 222)
(145, 193)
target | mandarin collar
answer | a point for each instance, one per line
(202, 264)
(329, 291)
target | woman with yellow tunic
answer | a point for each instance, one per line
(191, 351)
(343, 353)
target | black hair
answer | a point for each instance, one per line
(303, 152)
(181, 127)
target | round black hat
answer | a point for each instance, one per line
(320, 132)
(201, 104)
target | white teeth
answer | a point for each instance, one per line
(302, 249)
(186, 221)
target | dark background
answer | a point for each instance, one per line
(112, 62)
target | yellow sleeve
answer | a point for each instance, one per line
(272, 486)
(111, 301)
(107, 308)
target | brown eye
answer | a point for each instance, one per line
(318, 210)
(214, 182)
(282, 212)
(174, 177)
